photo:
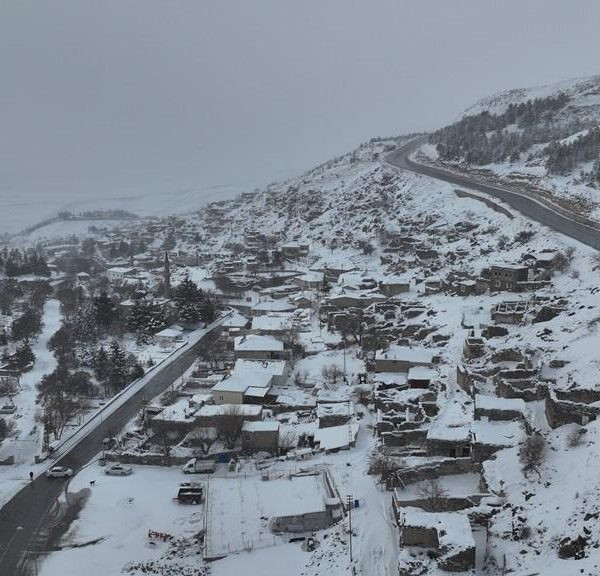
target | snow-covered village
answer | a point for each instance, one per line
(382, 365)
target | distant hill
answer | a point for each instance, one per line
(547, 136)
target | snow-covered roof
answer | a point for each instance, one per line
(336, 437)
(275, 367)
(273, 306)
(247, 410)
(311, 276)
(494, 403)
(120, 270)
(236, 320)
(261, 426)
(421, 373)
(397, 378)
(341, 395)
(453, 528)
(337, 409)
(497, 433)
(240, 381)
(449, 432)
(405, 354)
(169, 333)
(178, 412)
(255, 342)
(272, 322)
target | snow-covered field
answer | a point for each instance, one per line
(112, 529)
(241, 508)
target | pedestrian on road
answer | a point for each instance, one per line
(31, 476)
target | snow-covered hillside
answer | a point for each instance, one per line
(584, 92)
(544, 138)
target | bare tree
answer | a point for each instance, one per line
(383, 465)
(57, 410)
(9, 387)
(213, 352)
(432, 493)
(291, 341)
(300, 378)
(287, 441)
(229, 425)
(203, 437)
(532, 452)
(332, 374)
(575, 436)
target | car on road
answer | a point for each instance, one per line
(119, 470)
(59, 472)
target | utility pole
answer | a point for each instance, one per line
(350, 504)
(344, 338)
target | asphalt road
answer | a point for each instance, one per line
(516, 199)
(22, 517)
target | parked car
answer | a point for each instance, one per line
(197, 466)
(190, 493)
(119, 470)
(59, 472)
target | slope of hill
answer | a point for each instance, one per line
(546, 137)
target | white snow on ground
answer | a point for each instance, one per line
(119, 513)
(65, 228)
(283, 559)
(26, 443)
(241, 508)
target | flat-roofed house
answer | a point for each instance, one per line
(402, 358)
(258, 347)
(261, 436)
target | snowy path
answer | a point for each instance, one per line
(24, 445)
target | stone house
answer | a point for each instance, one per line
(260, 436)
(576, 406)
(402, 358)
(449, 440)
(507, 278)
(447, 534)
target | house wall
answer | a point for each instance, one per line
(390, 290)
(451, 448)
(505, 389)
(444, 504)
(330, 421)
(225, 397)
(431, 470)
(483, 452)
(561, 412)
(382, 365)
(498, 415)
(260, 354)
(302, 523)
(210, 421)
(460, 561)
(405, 437)
(267, 441)
(417, 536)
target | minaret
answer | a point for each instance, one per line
(167, 273)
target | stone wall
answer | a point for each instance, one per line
(561, 412)
(443, 504)
(429, 470)
(405, 437)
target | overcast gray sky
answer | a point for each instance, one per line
(121, 98)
